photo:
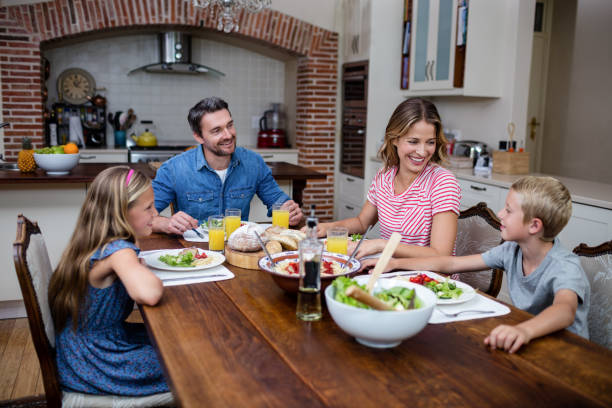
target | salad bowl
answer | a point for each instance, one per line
(382, 329)
(290, 282)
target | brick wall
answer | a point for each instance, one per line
(23, 29)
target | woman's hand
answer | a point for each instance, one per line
(371, 263)
(368, 247)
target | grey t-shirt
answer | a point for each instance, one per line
(560, 269)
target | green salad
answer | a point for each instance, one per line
(397, 297)
(182, 260)
(355, 237)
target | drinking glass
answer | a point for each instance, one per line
(232, 220)
(337, 240)
(216, 233)
(280, 216)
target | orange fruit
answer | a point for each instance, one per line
(71, 148)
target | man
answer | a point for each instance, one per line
(205, 181)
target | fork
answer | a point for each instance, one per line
(198, 233)
(464, 311)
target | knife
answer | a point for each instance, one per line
(198, 233)
(263, 246)
(356, 249)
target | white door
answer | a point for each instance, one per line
(537, 83)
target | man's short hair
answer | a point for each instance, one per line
(545, 198)
(206, 105)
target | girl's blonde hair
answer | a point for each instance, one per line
(545, 198)
(103, 218)
(405, 115)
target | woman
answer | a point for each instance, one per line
(411, 194)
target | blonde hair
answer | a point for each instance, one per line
(405, 115)
(545, 198)
(103, 219)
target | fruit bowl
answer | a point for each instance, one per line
(381, 329)
(57, 164)
(290, 282)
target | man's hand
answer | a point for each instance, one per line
(509, 338)
(177, 224)
(295, 212)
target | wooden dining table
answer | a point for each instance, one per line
(238, 343)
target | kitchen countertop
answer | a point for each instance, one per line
(582, 191)
(86, 172)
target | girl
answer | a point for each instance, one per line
(94, 287)
(411, 194)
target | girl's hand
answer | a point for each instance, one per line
(368, 247)
(371, 263)
(509, 338)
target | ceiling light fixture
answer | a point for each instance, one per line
(227, 10)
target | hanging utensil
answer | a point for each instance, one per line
(511, 128)
(383, 260)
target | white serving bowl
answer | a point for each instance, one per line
(381, 329)
(57, 164)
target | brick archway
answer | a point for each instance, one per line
(25, 27)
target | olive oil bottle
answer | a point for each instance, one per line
(309, 292)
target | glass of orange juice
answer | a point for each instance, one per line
(337, 240)
(232, 220)
(216, 233)
(280, 216)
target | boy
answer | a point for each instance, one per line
(544, 278)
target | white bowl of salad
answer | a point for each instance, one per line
(376, 328)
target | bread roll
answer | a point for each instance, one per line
(274, 247)
(245, 240)
(274, 230)
(286, 242)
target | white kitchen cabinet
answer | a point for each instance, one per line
(350, 189)
(259, 212)
(589, 224)
(434, 45)
(288, 156)
(473, 193)
(347, 209)
(356, 30)
(104, 156)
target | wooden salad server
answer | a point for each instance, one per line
(387, 253)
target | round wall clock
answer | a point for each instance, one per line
(75, 85)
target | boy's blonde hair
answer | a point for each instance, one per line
(103, 219)
(545, 198)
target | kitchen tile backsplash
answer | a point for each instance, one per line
(252, 82)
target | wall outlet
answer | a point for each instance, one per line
(255, 122)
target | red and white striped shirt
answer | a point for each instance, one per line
(410, 213)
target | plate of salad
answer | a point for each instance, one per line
(448, 291)
(184, 260)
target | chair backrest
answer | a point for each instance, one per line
(478, 230)
(34, 271)
(597, 264)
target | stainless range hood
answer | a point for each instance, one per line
(175, 57)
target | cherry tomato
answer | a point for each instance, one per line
(293, 268)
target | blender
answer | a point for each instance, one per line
(272, 128)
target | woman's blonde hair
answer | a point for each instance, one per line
(405, 115)
(103, 218)
(545, 198)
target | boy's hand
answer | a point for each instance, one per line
(509, 338)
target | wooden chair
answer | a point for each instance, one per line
(478, 230)
(34, 271)
(597, 264)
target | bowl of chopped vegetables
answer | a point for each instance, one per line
(376, 328)
(286, 274)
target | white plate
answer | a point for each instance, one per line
(468, 291)
(153, 261)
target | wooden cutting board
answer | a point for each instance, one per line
(246, 260)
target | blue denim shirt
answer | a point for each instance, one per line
(194, 187)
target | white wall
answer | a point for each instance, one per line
(251, 83)
(578, 121)
(321, 13)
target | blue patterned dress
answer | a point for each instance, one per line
(106, 355)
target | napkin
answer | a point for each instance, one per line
(478, 302)
(190, 235)
(217, 273)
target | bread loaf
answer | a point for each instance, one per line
(274, 247)
(245, 240)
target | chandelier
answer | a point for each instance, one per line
(227, 10)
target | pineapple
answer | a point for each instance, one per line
(25, 160)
